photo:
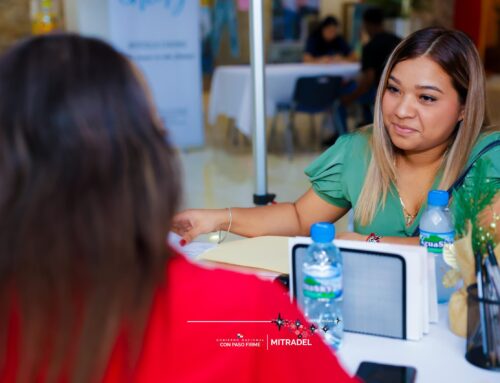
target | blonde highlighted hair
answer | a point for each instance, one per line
(457, 55)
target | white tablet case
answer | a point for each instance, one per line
(384, 287)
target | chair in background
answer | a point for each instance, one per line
(311, 95)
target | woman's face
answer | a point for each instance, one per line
(420, 105)
(329, 32)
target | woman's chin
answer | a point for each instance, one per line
(405, 144)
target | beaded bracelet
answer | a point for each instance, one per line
(221, 237)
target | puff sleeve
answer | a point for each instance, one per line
(492, 156)
(326, 173)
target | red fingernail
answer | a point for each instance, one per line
(182, 242)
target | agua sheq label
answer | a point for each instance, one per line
(316, 287)
(434, 242)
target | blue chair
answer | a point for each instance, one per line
(311, 95)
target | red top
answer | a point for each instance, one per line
(176, 349)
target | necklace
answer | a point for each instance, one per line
(409, 218)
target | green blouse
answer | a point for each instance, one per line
(338, 174)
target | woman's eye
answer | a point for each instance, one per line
(426, 98)
(392, 89)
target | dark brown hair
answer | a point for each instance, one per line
(88, 189)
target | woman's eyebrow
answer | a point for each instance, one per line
(424, 86)
(430, 87)
(391, 77)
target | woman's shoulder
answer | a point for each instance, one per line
(487, 146)
(486, 139)
(489, 134)
(351, 146)
(204, 282)
(179, 266)
(355, 142)
(338, 171)
(360, 138)
(213, 309)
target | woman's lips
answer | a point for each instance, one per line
(403, 130)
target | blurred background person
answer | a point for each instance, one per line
(373, 58)
(325, 45)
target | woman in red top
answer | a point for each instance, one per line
(89, 291)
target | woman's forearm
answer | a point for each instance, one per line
(280, 219)
(401, 240)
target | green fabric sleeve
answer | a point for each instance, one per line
(325, 173)
(493, 155)
(494, 170)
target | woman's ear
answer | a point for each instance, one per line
(461, 115)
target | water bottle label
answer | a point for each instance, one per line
(315, 287)
(434, 242)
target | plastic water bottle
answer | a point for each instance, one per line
(322, 284)
(436, 230)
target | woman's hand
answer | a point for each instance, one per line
(191, 223)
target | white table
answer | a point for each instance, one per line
(438, 357)
(231, 90)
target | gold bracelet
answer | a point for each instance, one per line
(222, 238)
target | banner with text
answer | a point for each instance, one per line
(162, 37)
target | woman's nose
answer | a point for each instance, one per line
(405, 107)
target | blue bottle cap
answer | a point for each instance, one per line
(322, 232)
(437, 198)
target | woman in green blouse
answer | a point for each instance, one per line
(429, 123)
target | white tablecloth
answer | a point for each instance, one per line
(438, 357)
(231, 91)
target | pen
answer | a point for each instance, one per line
(490, 310)
(482, 311)
(493, 269)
